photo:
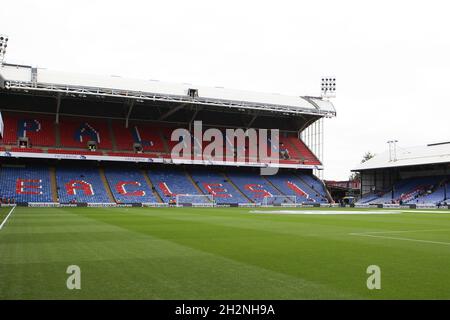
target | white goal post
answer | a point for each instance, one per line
(206, 200)
(279, 200)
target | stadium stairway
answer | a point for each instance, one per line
(112, 135)
(188, 175)
(165, 143)
(152, 186)
(216, 184)
(169, 183)
(253, 185)
(128, 185)
(273, 185)
(237, 189)
(319, 186)
(53, 184)
(57, 135)
(328, 194)
(106, 184)
(291, 184)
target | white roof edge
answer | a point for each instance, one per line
(411, 156)
(24, 74)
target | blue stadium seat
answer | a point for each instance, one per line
(129, 186)
(307, 189)
(320, 194)
(81, 185)
(422, 190)
(26, 184)
(211, 182)
(253, 185)
(170, 182)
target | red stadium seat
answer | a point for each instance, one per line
(39, 129)
(147, 135)
(123, 137)
(293, 152)
(306, 154)
(80, 152)
(167, 134)
(76, 133)
(132, 155)
(32, 150)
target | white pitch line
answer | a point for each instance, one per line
(4, 221)
(325, 212)
(428, 211)
(398, 231)
(402, 239)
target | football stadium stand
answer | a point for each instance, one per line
(420, 190)
(410, 176)
(74, 134)
(67, 136)
(132, 185)
(85, 185)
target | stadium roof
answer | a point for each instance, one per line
(413, 156)
(28, 79)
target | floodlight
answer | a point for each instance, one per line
(3, 46)
(328, 88)
(392, 150)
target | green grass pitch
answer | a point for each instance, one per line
(223, 253)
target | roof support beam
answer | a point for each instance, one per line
(102, 92)
(251, 121)
(58, 107)
(194, 116)
(171, 111)
(130, 109)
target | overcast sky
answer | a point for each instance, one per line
(390, 58)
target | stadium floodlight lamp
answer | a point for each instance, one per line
(328, 88)
(392, 150)
(3, 45)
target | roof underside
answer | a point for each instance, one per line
(27, 79)
(413, 156)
